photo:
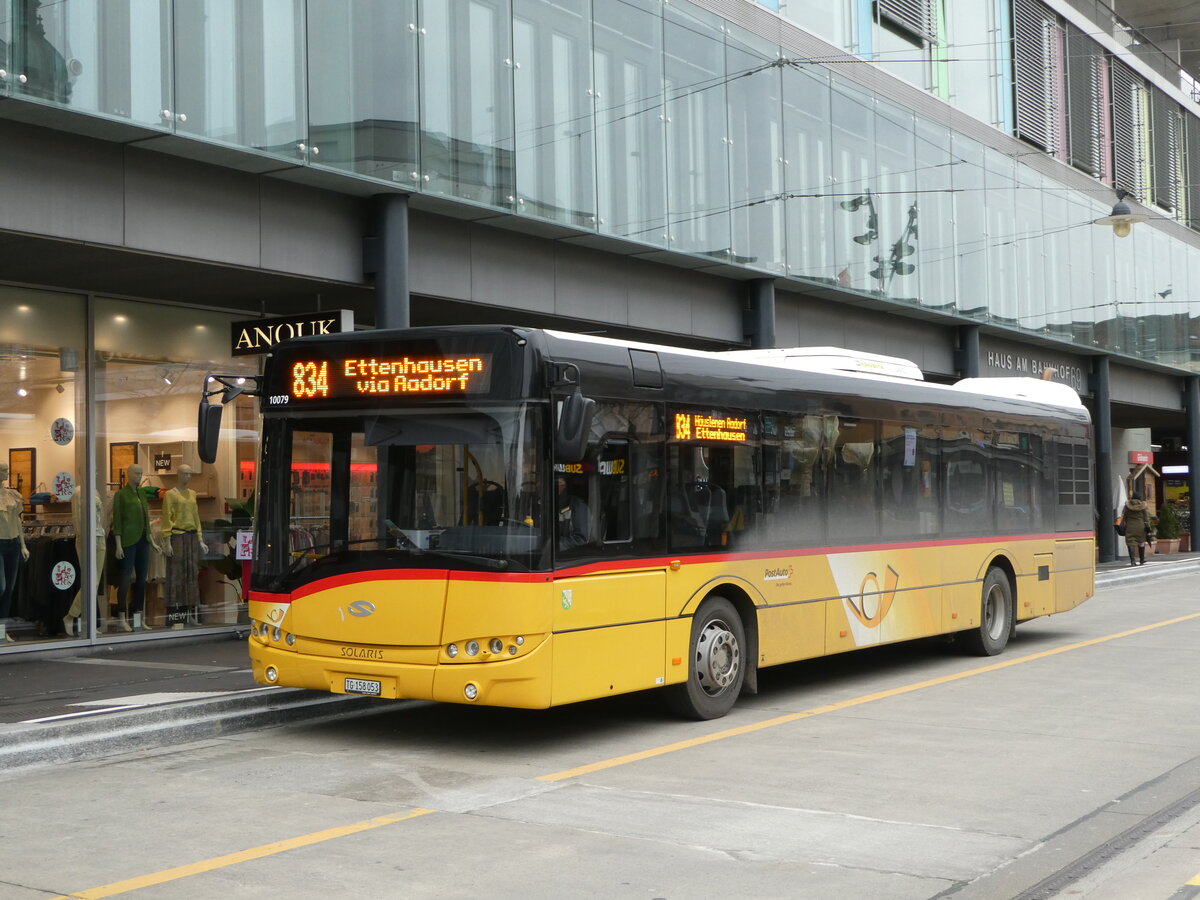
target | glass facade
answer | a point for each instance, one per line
(660, 124)
(109, 522)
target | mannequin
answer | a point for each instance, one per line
(131, 542)
(182, 547)
(12, 547)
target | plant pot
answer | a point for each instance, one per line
(1185, 543)
(1166, 545)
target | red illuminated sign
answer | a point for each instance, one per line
(1141, 458)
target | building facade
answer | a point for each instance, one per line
(920, 179)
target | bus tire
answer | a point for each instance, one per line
(995, 616)
(716, 664)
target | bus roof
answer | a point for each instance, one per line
(1052, 393)
(693, 375)
(830, 359)
(856, 364)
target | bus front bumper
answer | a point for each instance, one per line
(524, 682)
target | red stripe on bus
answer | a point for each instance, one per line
(626, 565)
(687, 559)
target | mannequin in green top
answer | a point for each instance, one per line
(131, 541)
(182, 546)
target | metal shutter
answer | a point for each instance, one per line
(1034, 73)
(1192, 196)
(916, 16)
(1085, 114)
(1164, 150)
(1128, 123)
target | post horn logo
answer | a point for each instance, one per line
(869, 595)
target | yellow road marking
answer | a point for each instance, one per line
(844, 704)
(219, 862)
(317, 837)
(1195, 882)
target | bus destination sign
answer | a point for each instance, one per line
(364, 376)
(710, 427)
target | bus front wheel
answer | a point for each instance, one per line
(996, 616)
(716, 668)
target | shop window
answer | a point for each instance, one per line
(150, 363)
(44, 512)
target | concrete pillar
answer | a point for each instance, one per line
(966, 357)
(1106, 535)
(385, 256)
(758, 323)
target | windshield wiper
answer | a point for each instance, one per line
(311, 554)
(488, 562)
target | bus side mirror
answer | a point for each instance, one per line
(208, 430)
(574, 427)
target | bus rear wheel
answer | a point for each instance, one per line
(995, 618)
(716, 668)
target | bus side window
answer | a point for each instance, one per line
(853, 503)
(804, 456)
(1014, 483)
(908, 468)
(969, 508)
(614, 508)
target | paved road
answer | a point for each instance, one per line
(1067, 767)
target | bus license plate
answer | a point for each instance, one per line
(362, 686)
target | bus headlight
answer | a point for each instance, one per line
(472, 648)
(496, 646)
(471, 691)
(276, 634)
(452, 651)
(272, 674)
(291, 639)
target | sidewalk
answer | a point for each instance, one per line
(132, 696)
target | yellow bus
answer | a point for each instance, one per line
(517, 517)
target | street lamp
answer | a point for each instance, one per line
(1122, 218)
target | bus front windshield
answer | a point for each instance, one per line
(434, 487)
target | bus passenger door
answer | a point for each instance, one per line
(608, 603)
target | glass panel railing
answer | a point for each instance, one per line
(106, 57)
(362, 88)
(239, 74)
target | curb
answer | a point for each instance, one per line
(1150, 570)
(24, 746)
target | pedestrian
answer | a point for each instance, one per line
(1136, 518)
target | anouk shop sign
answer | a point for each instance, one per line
(261, 335)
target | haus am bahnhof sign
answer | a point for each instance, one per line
(261, 335)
